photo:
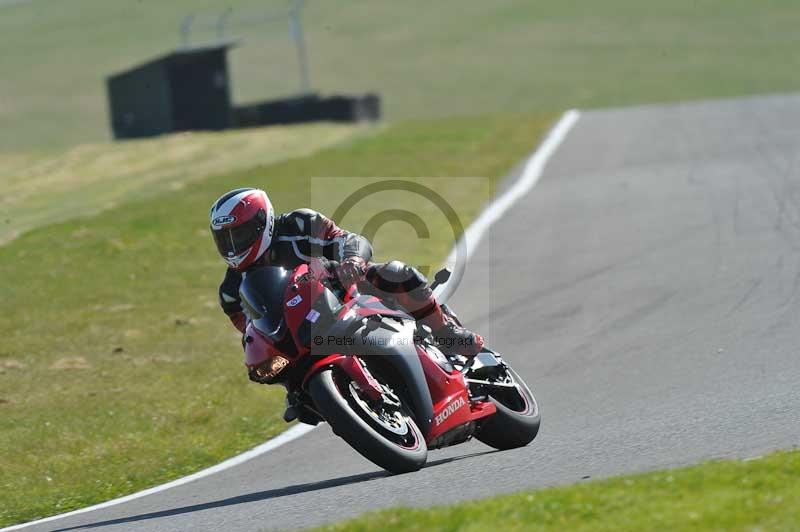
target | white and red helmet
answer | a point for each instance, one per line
(242, 222)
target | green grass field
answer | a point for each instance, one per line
(443, 58)
(118, 371)
(46, 187)
(751, 495)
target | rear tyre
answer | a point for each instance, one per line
(517, 420)
(390, 439)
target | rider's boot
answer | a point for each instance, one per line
(411, 290)
(449, 335)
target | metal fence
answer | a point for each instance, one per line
(270, 39)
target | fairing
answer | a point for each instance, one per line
(362, 337)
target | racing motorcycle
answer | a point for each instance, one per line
(362, 364)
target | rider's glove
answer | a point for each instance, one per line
(350, 270)
(319, 267)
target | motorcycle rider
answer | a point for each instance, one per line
(248, 235)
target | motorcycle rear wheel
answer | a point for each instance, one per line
(393, 442)
(517, 420)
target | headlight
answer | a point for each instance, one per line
(269, 369)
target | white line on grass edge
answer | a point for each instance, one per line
(531, 173)
(529, 176)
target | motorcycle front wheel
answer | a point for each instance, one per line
(381, 432)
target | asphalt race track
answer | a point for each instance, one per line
(648, 288)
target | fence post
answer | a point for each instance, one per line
(296, 29)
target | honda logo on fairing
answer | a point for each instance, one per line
(219, 221)
(452, 407)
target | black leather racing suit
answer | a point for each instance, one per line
(302, 234)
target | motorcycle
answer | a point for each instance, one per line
(362, 364)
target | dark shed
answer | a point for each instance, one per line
(188, 89)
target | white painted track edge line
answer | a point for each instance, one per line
(472, 236)
(279, 440)
(528, 178)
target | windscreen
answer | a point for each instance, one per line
(262, 292)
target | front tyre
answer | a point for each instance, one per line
(384, 435)
(517, 420)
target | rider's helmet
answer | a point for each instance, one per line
(242, 221)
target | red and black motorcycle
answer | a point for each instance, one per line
(362, 364)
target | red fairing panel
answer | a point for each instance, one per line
(301, 292)
(451, 405)
(256, 348)
(354, 369)
(365, 306)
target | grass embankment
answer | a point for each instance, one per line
(43, 188)
(426, 58)
(749, 495)
(117, 369)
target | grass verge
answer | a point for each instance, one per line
(760, 494)
(118, 371)
(44, 188)
(427, 59)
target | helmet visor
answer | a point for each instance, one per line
(235, 240)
